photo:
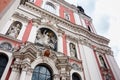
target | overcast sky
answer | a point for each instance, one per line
(106, 20)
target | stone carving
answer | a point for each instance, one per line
(46, 37)
(76, 67)
(72, 50)
(14, 29)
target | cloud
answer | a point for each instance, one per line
(106, 19)
(110, 9)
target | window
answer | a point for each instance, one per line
(50, 7)
(102, 62)
(6, 46)
(67, 16)
(76, 76)
(46, 37)
(72, 50)
(3, 63)
(42, 72)
(89, 28)
(14, 29)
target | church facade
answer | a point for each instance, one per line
(52, 40)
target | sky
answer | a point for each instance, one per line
(106, 20)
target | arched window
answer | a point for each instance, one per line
(42, 72)
(73, 52)
(46, 37)
(76, 76)
(50, 7)
(6, 46)
(14, 29)
(102, 62)
(3, 63)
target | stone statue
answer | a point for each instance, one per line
(46, 38)
(14, 30)
(42, 38)
(72, 50)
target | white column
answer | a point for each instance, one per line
(114, 67)
(24, 68)
(23, 74)
(14, 74)
(60, 43)
(15, 70)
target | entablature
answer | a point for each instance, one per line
(67, 25)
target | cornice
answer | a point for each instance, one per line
(10, 38)
(21, 17)
(76, 29)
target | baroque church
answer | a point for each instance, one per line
(52, 40)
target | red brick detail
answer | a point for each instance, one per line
(62, 9)
(4, 4)
(72, 19)
(27, 31)
(38, 2)
(12, 41)
(64, 44)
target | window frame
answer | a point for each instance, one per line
(49, 6)
(47, 68)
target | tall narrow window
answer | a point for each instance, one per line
(14, 29)
(103, 64)
(3, 63)
(50, 7)
(73, 52)
(89, 28)
(42, 72)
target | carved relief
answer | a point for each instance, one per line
(76, 67)
(6, 46)
(46, 37)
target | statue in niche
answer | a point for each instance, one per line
(73, 50)
(14, 29)
(46, 37)
(102, 62)
(42, 38)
